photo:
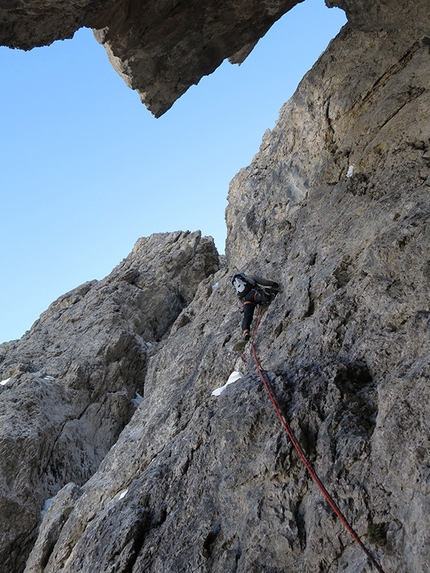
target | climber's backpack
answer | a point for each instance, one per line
(242, 284)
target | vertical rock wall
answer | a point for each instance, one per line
(334, 206)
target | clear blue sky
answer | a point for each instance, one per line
(85, 169)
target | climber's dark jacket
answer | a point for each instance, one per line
(249, 291)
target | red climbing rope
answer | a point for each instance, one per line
(302, 454)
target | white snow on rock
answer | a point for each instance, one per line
(136, 401)
(234, 376)
(350, 171)
(46, 506)
(4, 382)
(121, 494)
(49, 378)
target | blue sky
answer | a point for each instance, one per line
(85, 169)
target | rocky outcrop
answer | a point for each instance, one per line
(74, 380)
(161, 50)
(159, 47)
(388, 15)
(339, 191)
(351, 128)
(335, 207)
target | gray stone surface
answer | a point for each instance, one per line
(73, 376)
(161, 50)
(378, 15)
(335, 206)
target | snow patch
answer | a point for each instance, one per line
(49, 378)
(121, 494)
(234, 377)
(350, 171)
(215, 286)
(4, 382)
(138, 400)
(46, 506)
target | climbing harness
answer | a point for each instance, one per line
(302, 454)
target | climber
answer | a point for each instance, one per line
(252, 290)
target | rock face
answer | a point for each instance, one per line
(335, 206)
(389, 15)
(194, 42)
(72, 378)
(340, 192)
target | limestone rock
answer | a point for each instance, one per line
(378, 15)
(335, 207)
(352, 128)
(161, 50)
(72, 377)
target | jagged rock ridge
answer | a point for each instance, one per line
(334, 206)
(72, 378)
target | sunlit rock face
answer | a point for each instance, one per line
(335, 207)
(72, 383)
